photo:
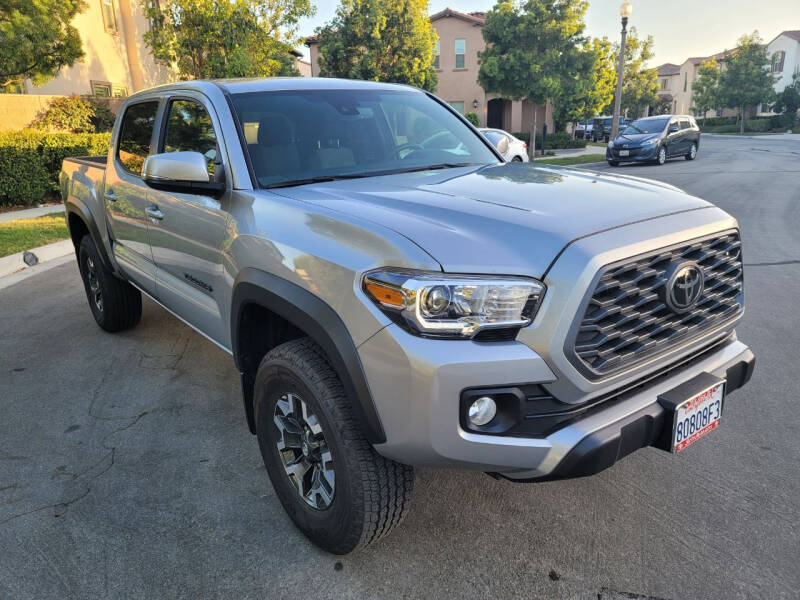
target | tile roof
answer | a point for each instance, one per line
(668, 69)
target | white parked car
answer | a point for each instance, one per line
(512, 149)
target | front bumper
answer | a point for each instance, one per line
(640, 154)
(416, 384)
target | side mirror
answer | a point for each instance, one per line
(672, 129)
(185, 172)
(502, 145)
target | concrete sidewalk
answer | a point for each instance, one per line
(30, 213)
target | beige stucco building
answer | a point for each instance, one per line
(116, 62)
(456, 63)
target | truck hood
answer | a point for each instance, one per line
(509, 219)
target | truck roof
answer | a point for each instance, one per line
(237, 86)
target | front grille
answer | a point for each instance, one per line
(627, 319)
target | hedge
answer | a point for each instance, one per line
(555, 141)
(30, 162)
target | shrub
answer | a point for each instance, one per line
(30, 161)
(732, 128)
(717, 121)
(472, 118)
(757, 125)
(555, 141)
(75, 114)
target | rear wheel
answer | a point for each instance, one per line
(516, 159)
(692, 154)
(116, 305)
(338, 491)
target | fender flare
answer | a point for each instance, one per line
(78, 207)
(319, 321)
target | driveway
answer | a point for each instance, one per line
(127, 471)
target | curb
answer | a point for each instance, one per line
(23, 260)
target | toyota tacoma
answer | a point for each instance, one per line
(395, 295)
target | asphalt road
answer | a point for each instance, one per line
(126, 469)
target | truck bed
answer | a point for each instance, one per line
(83, 178)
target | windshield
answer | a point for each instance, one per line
(645, 126)
(305, 135)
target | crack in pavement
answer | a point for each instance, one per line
(773, 264)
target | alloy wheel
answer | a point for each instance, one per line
(693, 151)
(304, 452)
(662, 155)
(95, 290)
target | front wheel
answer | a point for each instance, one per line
(661, 157)
(338, 491)
(692, 154)
(613, 163)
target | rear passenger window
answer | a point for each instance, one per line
(135, 135)
(189, 129)
(685, 124)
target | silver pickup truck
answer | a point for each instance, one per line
(394, 294)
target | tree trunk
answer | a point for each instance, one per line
(741, 119)
(532, 145)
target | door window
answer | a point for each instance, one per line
(685, 124)
(189, 129)
(135, 135)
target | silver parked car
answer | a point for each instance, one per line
(394, 294)
(513, 149)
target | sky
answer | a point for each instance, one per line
(680, 28)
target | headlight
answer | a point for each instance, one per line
(455, 306)
(611, 143)
(650, 142)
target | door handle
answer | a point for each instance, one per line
(154, 213)
(110, 196)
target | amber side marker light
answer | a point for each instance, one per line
(385, 294)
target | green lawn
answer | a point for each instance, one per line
(573, 160)
(24, 234)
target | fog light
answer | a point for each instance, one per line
(482, 411)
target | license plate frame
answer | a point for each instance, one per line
(689, 400)
(624, 152)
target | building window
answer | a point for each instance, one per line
(459, 106)
(777, 61)
(461, 53)
(665, 84)
(109, 15)
(436, 53)
(101, 89)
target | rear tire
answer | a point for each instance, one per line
(692, 154)
(516, 159)
(338, 491)
(115, 304)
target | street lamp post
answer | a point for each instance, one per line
(625, 12)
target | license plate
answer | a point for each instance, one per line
(624, 152)
(697, 416)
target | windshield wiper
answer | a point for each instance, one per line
(320, 179)
(328, 178)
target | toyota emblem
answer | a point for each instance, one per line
(684, 287)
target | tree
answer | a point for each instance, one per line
(705, 89)
(639, 83)
(380, 40)
(788, 102)
(531, 47)
(746, 80)
(589, 85)
(231, 38)
(37, 39)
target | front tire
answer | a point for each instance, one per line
(338, 491)
(661, 157)
(692, 154)
(613, 163)
(116, 305)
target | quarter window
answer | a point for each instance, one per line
(461, 52)
(135, 135)
(189, 129)
(109, 15)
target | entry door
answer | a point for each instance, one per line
(126, 195)
(187, 230)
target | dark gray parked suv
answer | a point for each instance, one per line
(655, 139)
